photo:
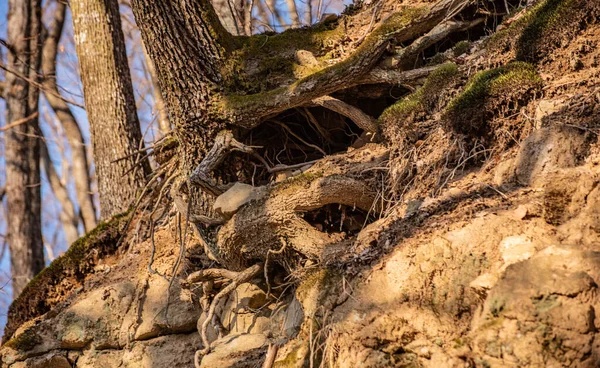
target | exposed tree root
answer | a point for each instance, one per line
(237, 278)
(364, 121)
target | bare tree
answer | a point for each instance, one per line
(110, 103)
(68, 217)
(22, 142)
(69, 123)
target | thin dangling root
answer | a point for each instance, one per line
(236, 279)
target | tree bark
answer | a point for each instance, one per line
(110, 103)
(232, 15)
(188, 44)
(22, 143)
(79, 158)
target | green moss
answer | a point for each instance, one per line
(76, 253)
(494, 82)
(25, 341)
(540, 28)
(461, 48)
(242, 90)
(423, 99)
(296, 357)
(32, 301)
(546, 304)
(436, 59)
(496, 306)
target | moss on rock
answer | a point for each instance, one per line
(469, 111)
(66, 272)
(544, 27)
(422, 100)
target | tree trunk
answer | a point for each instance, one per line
(22, 143)
(188, 45)
(194, 58)
(109, 102)
(65, 116)
(232, 15)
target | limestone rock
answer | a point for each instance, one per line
(238, 195)
(545, 109)
(168, 351)
(52, 360)
(240, 311)
(237, 351)
(183, 311)
(516, 248)
(294, 316)
(547, 301)
(548, 149)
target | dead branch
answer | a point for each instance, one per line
(271, 355)
(364, 121)
(438, 33)
(211, 274)
(396, 77)
(19, 122)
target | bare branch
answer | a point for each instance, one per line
(364, 121)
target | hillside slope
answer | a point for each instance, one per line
(484, 250)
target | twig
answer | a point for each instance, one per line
(298, 137)
(271, 355)
(19, 122)
(266, 268)
(39, 86)
(241, 278)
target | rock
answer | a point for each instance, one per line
(235, 197)
(100, 359)
(521, 212)
(211, 332)
(240, 311)
(484, 282)
(52, 360)
(96, 318)
(515, 249)
(545, 301)
(237, 351)
(546, 150)
(294, 316)
(545, 109)
(182, 316)
(306, 58)
(164, 352)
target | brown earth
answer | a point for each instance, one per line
(488, 255)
